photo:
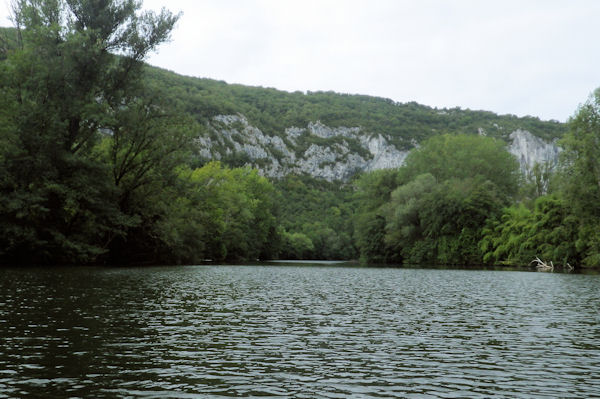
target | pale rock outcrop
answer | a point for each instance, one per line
(385, 155)
(320, 130)
(293, 133)
(530, 149)
(278, 156)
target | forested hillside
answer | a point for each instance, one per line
(273, 111)
(105, 159)
(327, 135)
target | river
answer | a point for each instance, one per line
(299, 331)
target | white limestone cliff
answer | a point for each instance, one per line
(346, 150)
(530, 149)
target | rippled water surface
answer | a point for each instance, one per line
(297, 331)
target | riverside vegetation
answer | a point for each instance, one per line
(99, 164)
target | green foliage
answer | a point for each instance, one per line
(562, 226)
(94, 165)
(61, 88)
(8, 41)
(296, 246)
(548, 231)
(580, 177)
(434, 208)
(370, 239)
(504, 239)
(464, 156)
(317, 211)
(429, 222)
(372, 191)
(222, 214)
(273, 111)
(580, 158)
(539, 181)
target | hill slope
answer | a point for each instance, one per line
(324, 134)
(329, 135)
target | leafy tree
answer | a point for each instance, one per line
(449, 188)
(404, 227)
(64, 88)
(372, 191)
(91, 146)
(580, 157)
(581, 176)
(297, 246)
(370, 239)
(222, 214)
(429, 222)
(464, 156)
(539, 181)
(549, 231)
(562, 226)
(504, 239)
(321, 211)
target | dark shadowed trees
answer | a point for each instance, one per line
(73, 83)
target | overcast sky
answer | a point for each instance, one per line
(520, 57)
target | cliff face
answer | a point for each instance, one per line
(330, 153)
(529, 149)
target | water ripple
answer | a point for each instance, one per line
(306, 332)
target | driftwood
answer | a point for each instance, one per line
(542, 266)
(568, 267)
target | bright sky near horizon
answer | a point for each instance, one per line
(522, 57)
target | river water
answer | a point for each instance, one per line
(297, 331)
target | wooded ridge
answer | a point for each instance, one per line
(330, 135)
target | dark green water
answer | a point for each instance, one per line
(295, 331)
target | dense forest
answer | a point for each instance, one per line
(274, 110)
(98, 164)
(461, 201)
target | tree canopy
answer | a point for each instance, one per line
(464, 156)
(436, 207)
(74, 124)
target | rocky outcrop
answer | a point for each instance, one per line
(385, 156)
(330, 153)
(530, 149)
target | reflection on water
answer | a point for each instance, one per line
(296, 331)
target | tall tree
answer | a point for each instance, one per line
(464, 156)
(448, 188)
(222, 214)
(581, 176)
(373, 191)
(72, 80)
(581, 157)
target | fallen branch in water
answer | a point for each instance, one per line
(542, 266)
(568, 267)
